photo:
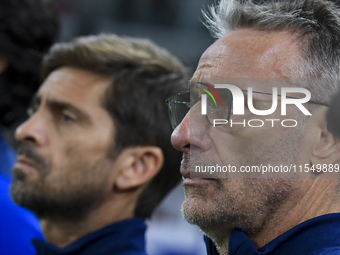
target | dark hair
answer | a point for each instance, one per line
(144, 75)
(27, 29)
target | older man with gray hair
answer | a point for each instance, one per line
(257, 116)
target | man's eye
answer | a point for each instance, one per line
(67, 118)
(31, 111)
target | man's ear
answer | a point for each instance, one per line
(327, 149)
(138, 166)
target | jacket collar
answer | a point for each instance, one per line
(313, 235)
(124, 237)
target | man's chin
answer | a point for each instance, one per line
(193, 210)
(20, 191)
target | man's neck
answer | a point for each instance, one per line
(221, 235)
(62, 232)
(319, 199)
(312, 204)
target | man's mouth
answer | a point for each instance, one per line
(189, 175)
(25, 164)
(190, 178)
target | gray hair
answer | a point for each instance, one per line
(315, 22)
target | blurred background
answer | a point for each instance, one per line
(175, 25)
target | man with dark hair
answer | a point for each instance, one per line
(27, 29)
(95, 157)
(260, 168)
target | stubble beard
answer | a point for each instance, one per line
(217, 210)
(248, 203)
(220, 205)
(66, 198)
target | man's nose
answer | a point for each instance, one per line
(191, 134)
(32, 130)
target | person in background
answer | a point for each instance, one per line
(27, 29)
(264, 49)
(95, 156)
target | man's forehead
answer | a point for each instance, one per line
(247, 53)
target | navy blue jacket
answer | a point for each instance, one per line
(318, 236)
(121, 238)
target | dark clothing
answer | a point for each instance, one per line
(318, 236)
(121, 238)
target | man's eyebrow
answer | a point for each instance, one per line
(60, 105)
(204, 81)
(195, 83)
